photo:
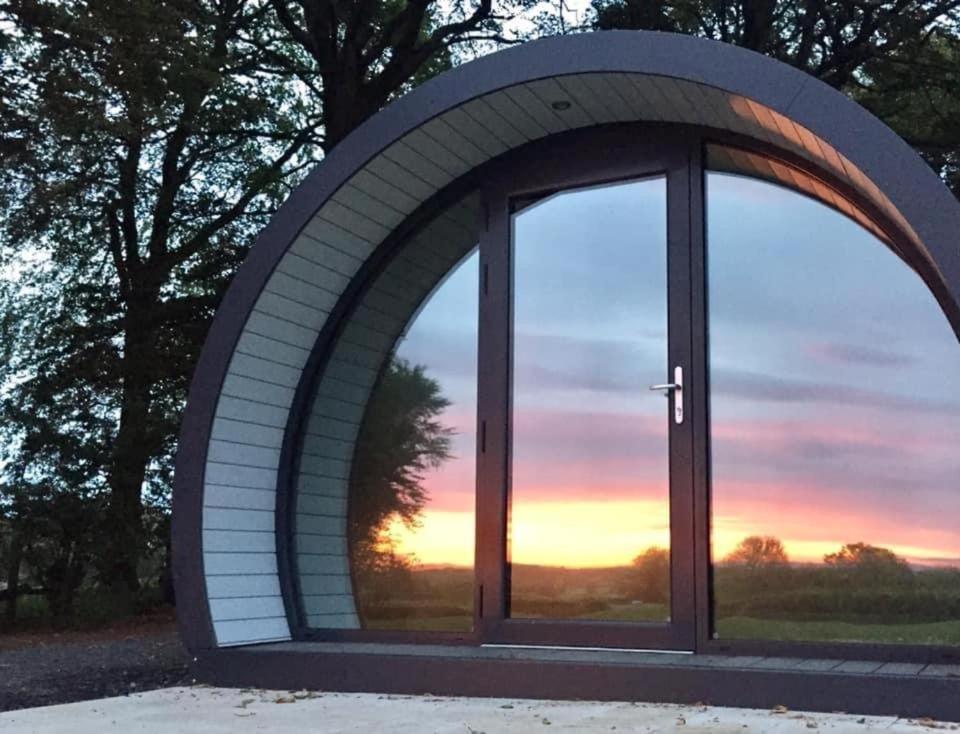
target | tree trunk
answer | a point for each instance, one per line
(131, 450)
(344, 107)
(12, 572)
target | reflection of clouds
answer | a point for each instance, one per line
(587, 437)
(858, 354)
(832, 436)
(852, 457)
(590, 284)
(796, 265)
(577, 362)
(756, 386)
(767, 482)
(447, 352)
(581, 455)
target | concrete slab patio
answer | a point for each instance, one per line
(216, 710)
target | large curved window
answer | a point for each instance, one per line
(411, 504)
(835, 428)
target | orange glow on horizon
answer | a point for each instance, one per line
(596, 534)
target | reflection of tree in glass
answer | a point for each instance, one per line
(400, 439)
(759, 551)
(864, 563)
(649, 579)
(860, 592)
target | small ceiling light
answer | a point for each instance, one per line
(560, 105)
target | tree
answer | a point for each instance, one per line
(898, 57)
(759, 551)
(144, 144)
(917, 93)
(649, 579)
(365, 53)
(400, 439)
(870, 565)
(157, 141)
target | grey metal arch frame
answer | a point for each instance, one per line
(504, 97)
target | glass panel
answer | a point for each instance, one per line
(412, 487)
(589, 524)
(835, 413)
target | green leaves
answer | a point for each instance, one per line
(143, 144)
(155, 148)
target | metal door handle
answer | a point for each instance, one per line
(675, 387)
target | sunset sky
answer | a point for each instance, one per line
(835, 385)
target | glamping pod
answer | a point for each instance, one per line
(618, 365)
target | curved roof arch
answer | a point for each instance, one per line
(317, 244)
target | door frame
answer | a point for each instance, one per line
(604, 156)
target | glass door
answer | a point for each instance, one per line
(594, 539)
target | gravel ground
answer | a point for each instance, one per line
(45, 669)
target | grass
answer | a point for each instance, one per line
(92, 609)
(920, 633)
(464, 623)
(739, 628)
(632, 613)
(793, 604)
(423, 624)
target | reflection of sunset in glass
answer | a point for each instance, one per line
(821, 431)
(835, 426)
(577, 534)
(835, 478)
(590, 483)
(612, 533)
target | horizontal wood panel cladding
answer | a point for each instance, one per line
(322, 544)
(332, 621)
(322, 563)
(238, 541)
(240, 585)
(249, 631)
(330, 526)
(342, 393)
(247, 607)
(218, 495)
(247, 432)
(312, 584)
(230, 564)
